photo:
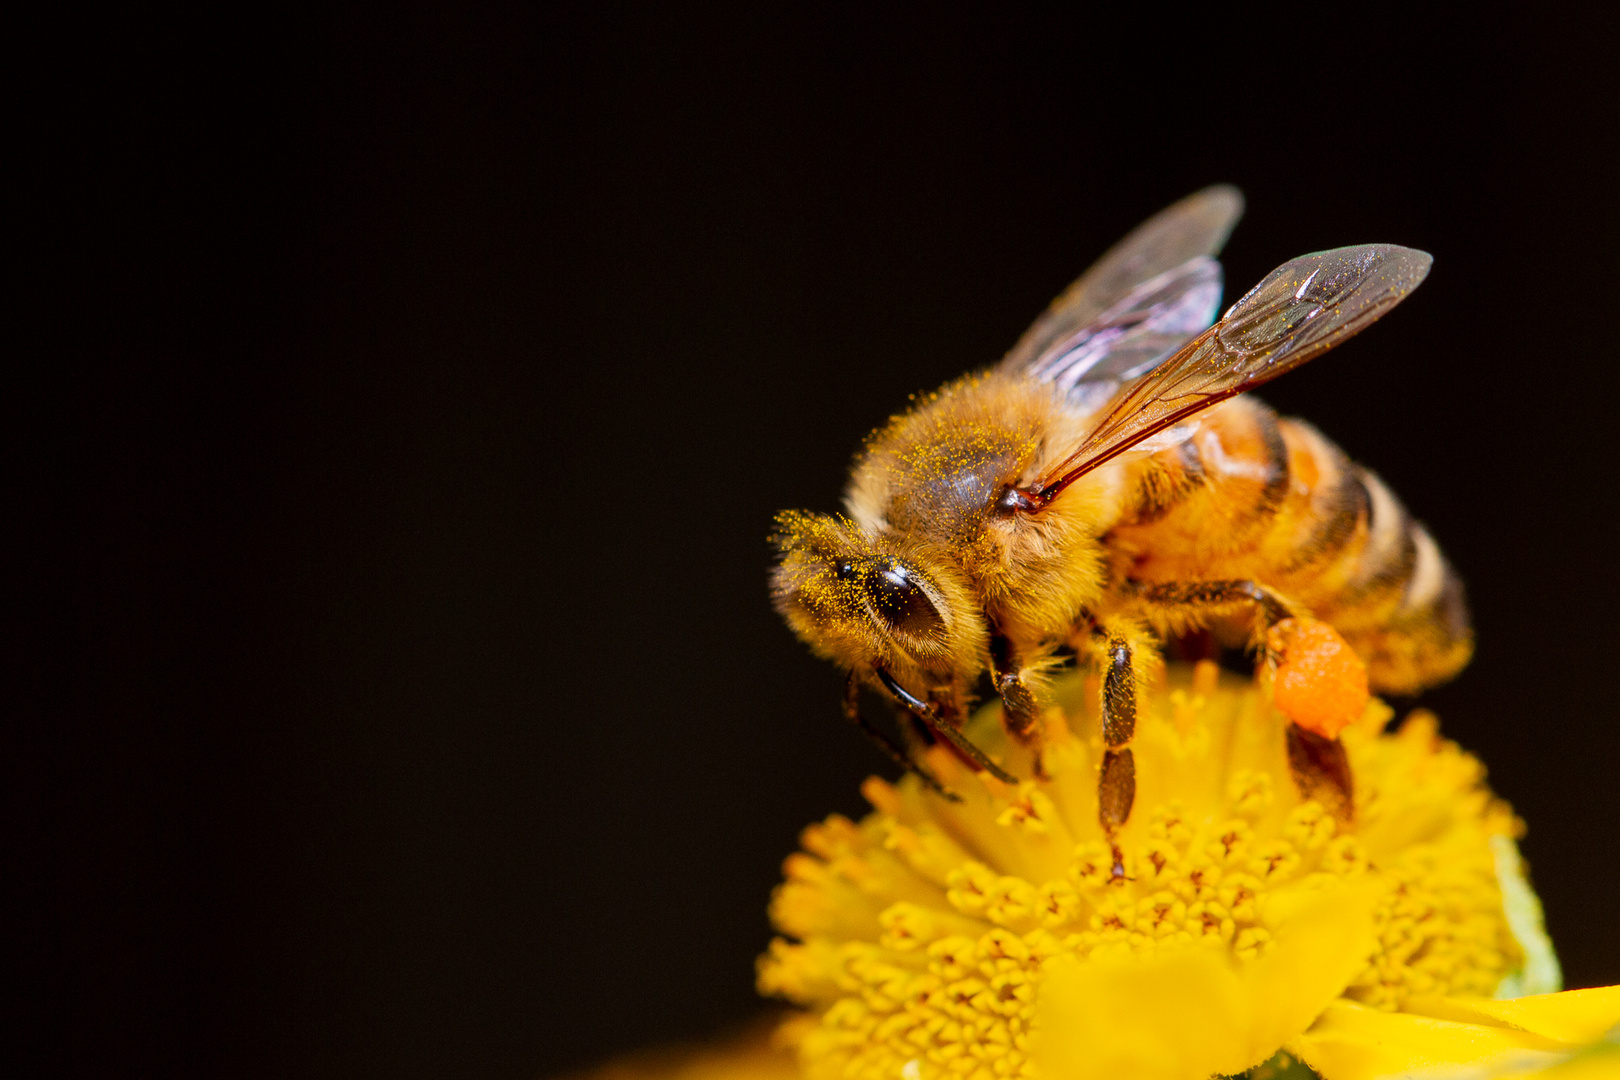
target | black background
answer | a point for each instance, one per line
(398, 402)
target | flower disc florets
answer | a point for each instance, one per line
(990, 938)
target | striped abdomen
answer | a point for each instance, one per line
(1251, 496)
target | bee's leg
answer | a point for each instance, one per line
(1116, 783)
(1019, 713)
(1183, 595)
(927, 714)
(1321, 770)
(949, 707)
(1207, 594)
(897, 754)
(1320, 765)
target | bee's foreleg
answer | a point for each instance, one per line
(1020, 714)
(896, 753)
(1116, 783)
(928, 715)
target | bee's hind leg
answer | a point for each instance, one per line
(1020, 714)
(896, 753)
(1192, 597)
(1320, 765)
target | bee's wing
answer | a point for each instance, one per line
(1130, 339)
(1187, 233)
(1301, 309)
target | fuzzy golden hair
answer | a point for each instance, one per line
(922, 493)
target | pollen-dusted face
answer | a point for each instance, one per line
(860, 599)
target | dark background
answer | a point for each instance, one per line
(398, 402)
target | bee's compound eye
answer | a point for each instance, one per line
(901, 601)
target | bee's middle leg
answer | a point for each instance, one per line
(1116, 782)
(1020, 714)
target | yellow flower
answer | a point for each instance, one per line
(989, 938)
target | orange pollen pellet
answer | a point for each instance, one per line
(1321, 684)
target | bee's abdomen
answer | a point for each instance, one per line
(1254, 496)
(1358, 560)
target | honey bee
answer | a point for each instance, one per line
(1108, 486)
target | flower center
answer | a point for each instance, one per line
(925, 931)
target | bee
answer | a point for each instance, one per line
(1108, 486)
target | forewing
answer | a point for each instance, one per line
(1196, 226)
(1301, 309)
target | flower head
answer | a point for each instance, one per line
(993, 938)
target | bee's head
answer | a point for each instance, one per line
(858, 598)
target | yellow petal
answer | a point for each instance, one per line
(1577, 1017)
(1353, 1042)
(1208, 1014)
